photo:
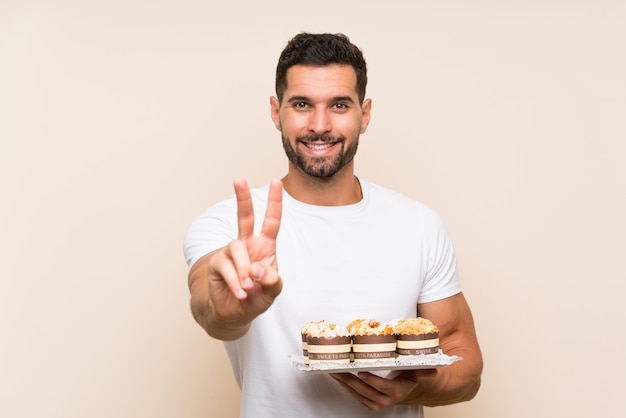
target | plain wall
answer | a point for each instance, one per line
(122, 120)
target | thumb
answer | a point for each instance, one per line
(267, 276)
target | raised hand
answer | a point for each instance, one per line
(234, 284)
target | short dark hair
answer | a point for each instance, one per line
(320, 50)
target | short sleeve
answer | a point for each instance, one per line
(441, 279)
(213, 229)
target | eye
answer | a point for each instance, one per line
(341, 106)
(300, 105)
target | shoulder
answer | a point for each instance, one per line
(394, 201)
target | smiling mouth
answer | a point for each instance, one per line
(319, 142)
(318, 147)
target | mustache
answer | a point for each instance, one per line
(320, 138)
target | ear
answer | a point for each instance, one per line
(275, 108)
(366, 109)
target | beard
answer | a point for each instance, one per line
(321, 167)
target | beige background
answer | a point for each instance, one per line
(122, 120)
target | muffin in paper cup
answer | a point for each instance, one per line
(416, 336)
(308, 330)
(372, 340)
(327, 342)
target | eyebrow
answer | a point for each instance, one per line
(307, 99)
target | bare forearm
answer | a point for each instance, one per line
(458, 382)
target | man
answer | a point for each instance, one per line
(346, 249)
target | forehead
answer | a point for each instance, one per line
(333, 80)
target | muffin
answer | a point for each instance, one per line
(308, 330)
(327, 342)
(372, 340)
(416, 336)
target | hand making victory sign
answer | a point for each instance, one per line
(234, 284)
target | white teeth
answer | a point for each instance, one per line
(317, 147)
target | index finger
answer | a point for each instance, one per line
(245, 210)
(274, 210)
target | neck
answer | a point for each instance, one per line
(339, 190)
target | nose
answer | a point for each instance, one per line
(320, 121)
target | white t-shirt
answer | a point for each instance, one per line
(374, 259)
